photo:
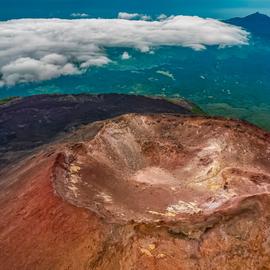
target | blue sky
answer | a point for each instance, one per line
(109, 8)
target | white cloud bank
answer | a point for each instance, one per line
(162, 17)
(79, 15)
(133, 16)
(42, 49)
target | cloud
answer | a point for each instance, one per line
(162, 17)
(133, 16)
(125, 56)
(27, 69)
(79, 15)
(41, 49)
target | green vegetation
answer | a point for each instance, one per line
(6, 100)
(197, 110)
(257, 115)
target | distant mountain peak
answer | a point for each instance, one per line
(256, 23)
(258, 15)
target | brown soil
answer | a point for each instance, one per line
(141, 192)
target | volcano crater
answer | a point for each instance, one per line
(148, 168)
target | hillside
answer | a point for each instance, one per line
(140, 191)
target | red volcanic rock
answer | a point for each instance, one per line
(141, 192)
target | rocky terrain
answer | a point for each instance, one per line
(140, 191)
(27, 123)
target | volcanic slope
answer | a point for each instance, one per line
(141, 192)
(30, 122)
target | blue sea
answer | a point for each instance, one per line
(231, 82)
